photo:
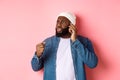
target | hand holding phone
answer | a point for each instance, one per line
(73, 31)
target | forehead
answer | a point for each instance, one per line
(62, 18)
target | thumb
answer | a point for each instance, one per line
(44, 42)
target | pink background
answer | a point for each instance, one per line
(24, 23)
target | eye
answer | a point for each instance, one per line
(63, 22)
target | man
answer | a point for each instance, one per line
(64, 55)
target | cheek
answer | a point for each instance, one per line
(65, 26)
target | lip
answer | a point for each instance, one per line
(59, 29)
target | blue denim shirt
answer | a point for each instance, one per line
(82, 53)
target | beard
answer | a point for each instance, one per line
(63, 32)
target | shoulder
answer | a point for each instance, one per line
(84, 40)
(50, 38)
(81, 38)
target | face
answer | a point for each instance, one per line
(62, 26)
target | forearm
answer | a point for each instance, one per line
(36, 63)
(88, 57)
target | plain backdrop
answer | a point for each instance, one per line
(24, 23)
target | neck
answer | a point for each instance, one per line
(67, 36)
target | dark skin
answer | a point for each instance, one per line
(62, 23)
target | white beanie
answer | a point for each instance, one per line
(69, 16)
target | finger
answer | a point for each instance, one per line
(72, 26)
(43, 43)
(40, 45)
(70, 30)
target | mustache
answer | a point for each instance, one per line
(65, 31)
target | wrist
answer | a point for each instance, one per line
(74, 38)
(38, 54)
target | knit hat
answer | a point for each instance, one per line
(69, 16)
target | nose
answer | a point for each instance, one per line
(59, 25)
